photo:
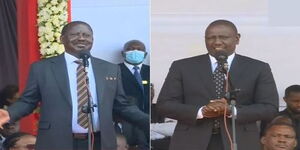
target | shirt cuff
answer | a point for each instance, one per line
(199, 114)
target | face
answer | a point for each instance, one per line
(122, 144)
(132, 57)
(135, 46)
(25, 143)
(78, 38)
(221, 38)
(279, 137)
(293, 102)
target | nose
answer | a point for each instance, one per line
(281, 139)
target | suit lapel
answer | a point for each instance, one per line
(129, 76)
(236, 69)
(99, 74)
(207, 76)
(59, 69)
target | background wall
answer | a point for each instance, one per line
(114, 22)
(269, 30)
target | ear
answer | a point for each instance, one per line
(238, 36)
(284, 98)
(62, 39)
(145, 54)
(123, 54)
(263, 140)
(295, 144)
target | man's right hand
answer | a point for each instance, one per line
(4, 117)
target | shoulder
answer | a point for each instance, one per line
(47, 61)
(249, 60)
(104, 63)
(191, 60)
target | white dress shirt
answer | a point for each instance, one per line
(72, 71)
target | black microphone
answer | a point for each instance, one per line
(85, 55)
(221, 57)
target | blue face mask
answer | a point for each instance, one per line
(134, 56)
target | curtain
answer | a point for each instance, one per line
(8, 43)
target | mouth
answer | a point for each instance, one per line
(281, 146)
(219, 49)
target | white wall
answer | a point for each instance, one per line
(178, 32)
(114, 22)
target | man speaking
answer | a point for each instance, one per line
(194, 88)
(64, 85)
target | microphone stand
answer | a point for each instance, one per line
(89, 109)
(231, 96)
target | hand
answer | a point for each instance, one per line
(215, 108)
(4, 117)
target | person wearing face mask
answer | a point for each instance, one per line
(135, 78)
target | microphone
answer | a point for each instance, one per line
(85, 55)
(221, 57)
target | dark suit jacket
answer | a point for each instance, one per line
(133, 89)
(48, 83)
(140, 98)
(189, 85)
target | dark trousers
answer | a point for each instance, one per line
(82, 143)
(215, 142)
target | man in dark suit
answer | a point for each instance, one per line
(137, 90)
(189, 95)
(53, 82)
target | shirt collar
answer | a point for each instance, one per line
(70, 59)
(130, 66)
(229, 59)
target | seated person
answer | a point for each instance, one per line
(20, 141)
(122, 142)
(9, 95)
(279, 135)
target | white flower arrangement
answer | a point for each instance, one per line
(52, 16)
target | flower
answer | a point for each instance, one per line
(52, 16)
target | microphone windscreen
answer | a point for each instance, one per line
(84, 54)
(221, 56)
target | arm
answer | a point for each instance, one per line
(128, 111)
(29, 99)
(171, 101)
(265, 98)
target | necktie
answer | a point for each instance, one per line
(82, 94)
(219, 79)
(138, 76)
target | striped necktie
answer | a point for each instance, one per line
(82, 94)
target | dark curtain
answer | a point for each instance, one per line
(8, 43)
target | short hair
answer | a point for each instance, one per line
(131, 42)
(8, 91)
(11, 140)
(290, 89)
(280, 121)
(68, 26)
(223, 22)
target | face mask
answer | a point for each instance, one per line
(134, 56)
